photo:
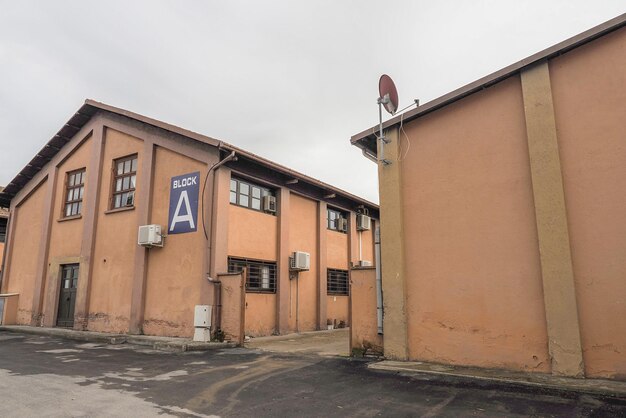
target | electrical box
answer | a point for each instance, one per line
(342, 224)
(202, 316)
(269, 204)
(150, 236)
(363, 222)
(300, 261)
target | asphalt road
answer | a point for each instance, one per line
(50, 377)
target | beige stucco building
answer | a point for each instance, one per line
(503, 220)
(73, 257)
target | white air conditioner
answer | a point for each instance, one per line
(150, 236)
(299, 261)
(365, 263)
(269, 204)
(363, 222)
(342, 224)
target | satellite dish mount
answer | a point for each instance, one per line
(388, 98)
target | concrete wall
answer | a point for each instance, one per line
(503, 228)
(21, 269)
(364, 336)
(589, 90)
(233, 293)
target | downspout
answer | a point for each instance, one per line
(379, 282)
(217, 296)
(4, 252)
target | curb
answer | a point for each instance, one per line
(161, 343)
(582, 386)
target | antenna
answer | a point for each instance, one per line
(388, 97)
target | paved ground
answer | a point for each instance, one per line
(50, 377)
(324, 343)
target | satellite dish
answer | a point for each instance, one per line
(388, 94)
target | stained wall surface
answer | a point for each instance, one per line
(175, 279)
(474, 290)
(588, 88)
(116, 238)
(20, 279)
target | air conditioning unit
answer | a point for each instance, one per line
(365, 263)
(269, 204)
(342, 224)
(363, 222)
(150, 236)
(300, 261)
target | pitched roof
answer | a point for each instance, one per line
(367, 139)
(91, 107)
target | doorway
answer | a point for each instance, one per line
(67, 296)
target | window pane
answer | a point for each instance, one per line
(81, 180)
(118, 199)
(130, 199)
(134, 165)
(126, 183)
(80, 192)
(133, 181)
(233, 185)
(74, 283)
(256, 204)
(233, 197)
(244, 189)
(68, 210)
(66, 284)
(127, 166)
(80, 206)
(120, 168)
(71, 180)
(256, 192)
(118, 185)
(243, 200)
(69, 195)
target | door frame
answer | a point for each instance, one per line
(74, 269)
(53, 288)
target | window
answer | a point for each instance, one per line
(124, 182)
(248, 195)
(74, 188)
(3, 230)
(334, 219)
(337, 282)
(260, 276)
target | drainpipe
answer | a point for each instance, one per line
(4, 253)
(217, 285)
(379, 282)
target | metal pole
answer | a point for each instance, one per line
(379, 281)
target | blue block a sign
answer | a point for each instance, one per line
(184, 203)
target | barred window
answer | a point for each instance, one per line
(337, 282)
(260, 277)
(124, 182)
(74, 188)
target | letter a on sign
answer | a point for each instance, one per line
(184, 203)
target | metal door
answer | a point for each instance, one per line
(67, 297)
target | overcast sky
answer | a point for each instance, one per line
(289, 80)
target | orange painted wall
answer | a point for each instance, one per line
(303, 237)
(367, 245)
(473, 275)
(364, 327)
(337, 309)
(116, 239)
(336, 250)
(590, 110)
(252, 234)
(175, 274)
(260, 314)
(65, 236)
(21, 277)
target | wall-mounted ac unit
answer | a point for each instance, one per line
(342, 224)
(365, 263)
(300, 261)
(363, 222)
(269, 204)
(150, 236)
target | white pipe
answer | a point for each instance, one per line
(379, 282)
